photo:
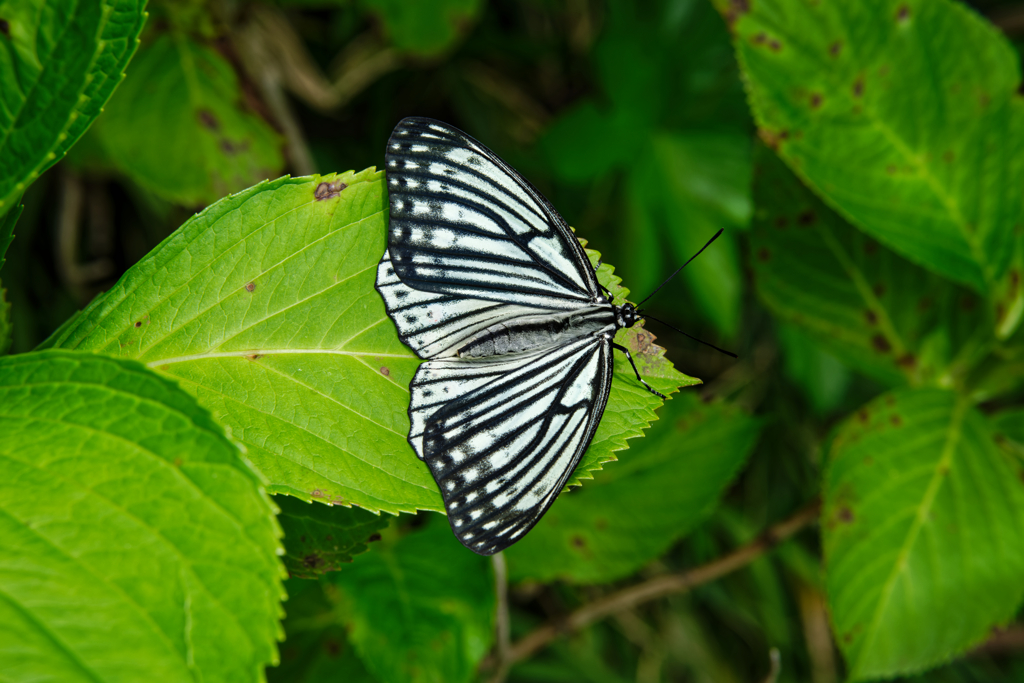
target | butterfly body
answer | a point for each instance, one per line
(540, 331)
(486, 282)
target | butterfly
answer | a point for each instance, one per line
(486, 282)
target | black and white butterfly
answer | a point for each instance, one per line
(485, 280)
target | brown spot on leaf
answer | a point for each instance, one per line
(902, 14)
(891, 169)
(329, 190)
(231, 148)
(815, 100)
(385, 371)
(177, 462)
(871, 317)
(881, 344)
(1014, 280)
(735, 10)
(896, 420)
(373, 537)
(207, 119)
(763, 254)
(333, 648)
(312, 561)
(858, 86)
(250, 286)
(138, 323)
(775, 46)
(845, 515)
(878, 289)
(907, 361)
(759, 39)
(772, 138)
(862, 415)
(254, 356)
(835, 48)
(5, 28)
(317, 493)
(806, 218)
(601, 523)
(579, 542)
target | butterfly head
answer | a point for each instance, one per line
(627, 315)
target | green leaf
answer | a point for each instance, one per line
(316, 648)
(667, 484)
(118, 42)
(6, 336)
(879, 313)
(7, 223)
(425, 28)
(923, 533)
(320, 538)
(137, 543)
(821, 375)
(419, 609)
(698, 183)
(904, 116)
(179, 126)
(61, 62)
(263, 307)
(1008, 429)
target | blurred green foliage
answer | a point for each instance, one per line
(866, 160)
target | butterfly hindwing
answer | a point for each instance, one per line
(464, 223)
(502, 435)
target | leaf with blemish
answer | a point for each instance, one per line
(62, 60)
(137, 543)
(180, 128)
(263, 306)
(633, 513)
(923, 533)
(904, 116)
(880, 313)
(321, 538)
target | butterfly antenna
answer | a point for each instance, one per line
(728, 353)
(677, 272)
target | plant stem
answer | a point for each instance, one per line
(661, 586)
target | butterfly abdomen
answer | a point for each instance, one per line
(534, 332)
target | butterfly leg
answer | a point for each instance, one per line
(651, 389)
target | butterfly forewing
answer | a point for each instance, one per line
(464, 223)
(502, 436)
(436, 325)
